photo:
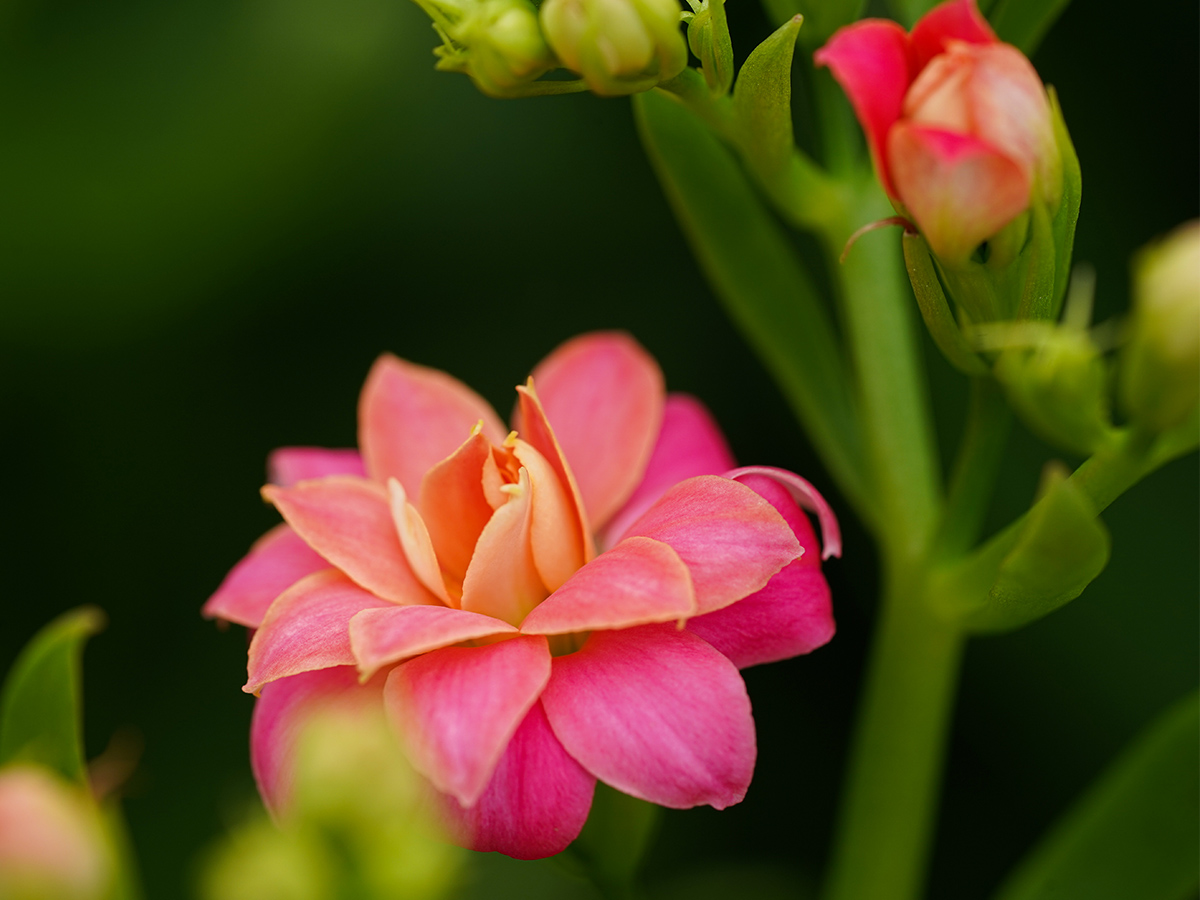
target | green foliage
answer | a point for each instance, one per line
(40, 713)
(762, 102)
(1134, 833)
(931, 299)
(616, 838)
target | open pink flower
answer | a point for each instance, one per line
(958, 123)
(535, 609)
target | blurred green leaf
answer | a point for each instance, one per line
(617, 835)
(754, 270)
(1025, 22)
(41, 718)
(1134, 833)
(1067, 215)
(935, 309)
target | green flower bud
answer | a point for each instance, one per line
(1160, 366)
(618, 46)
(497, 42)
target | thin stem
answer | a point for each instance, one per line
(975, 469)
(889, 808)
(1116, 468)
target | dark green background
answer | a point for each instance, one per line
(214, 215)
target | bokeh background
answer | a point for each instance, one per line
(214, 215)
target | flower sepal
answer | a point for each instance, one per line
(708, 38)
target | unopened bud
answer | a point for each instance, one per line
(51, 845)
(498, 43)
(618, 46)
(1160, 367)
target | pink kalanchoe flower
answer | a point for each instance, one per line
(535, 609)
(958, 123)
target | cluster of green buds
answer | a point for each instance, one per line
(616, 47)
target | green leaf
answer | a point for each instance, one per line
(1067, 215)
(1033, 567)
(615, 839)
(762, 101)
(1025, 22)
(935, 310)
(749, 261)
(40, 714)
(1134, 833)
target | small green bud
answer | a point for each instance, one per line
(618, 46)
(1160, 366)
(499, 43)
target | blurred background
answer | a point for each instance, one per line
(214, 215)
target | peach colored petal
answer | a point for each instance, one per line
(288, 465)
(959, 189)
(380, 637)
(731, 539)
(503, 580)
(555, 530)
(637, 582)
(276, 561)
(454, 507)
(603, 394)
(457, 708)
(411, 417)
(414, 538)
(349, 522)
(536, 430)
(307, 628)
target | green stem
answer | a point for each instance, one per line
(1116, 468)
(975, 469)
(889, 808)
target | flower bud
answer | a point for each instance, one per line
(618, 46)
(51, 845)
(497, 42)
(1160, 366)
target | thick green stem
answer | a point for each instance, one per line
(1115, 468)
(889, 808)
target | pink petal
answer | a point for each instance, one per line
(556, 534)
(410, 418)
(871, 61)
(454, 507)
(277, 560)
(288, 465)
(503, 580)
(689, 444)
(730, 538)
(380, 637)
(307, 628)
(281, 714)
(657, 713)
(349, 522)
(802, 492)
(414, 538)
(535, 804)
(637, 582)
(603, 393)
(536, 430)
(958, 20)
(793, 614)
(457, 708)
(958, 189)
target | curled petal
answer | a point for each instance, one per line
(380, 637)
(730, 538)
(288, 465)
(349, 522)
(535, 804)
(657, 713)
(555, 533)
(958, 20)
(457, 708)
(414, 538)
(503, 580)
(410, 418)
(871, 61)
(958, 189)
(453, 504)
(277, 560)
(803, 493)
(279, 718)
(637, 582)
(603, 393)
(689, 444)
(307, 628)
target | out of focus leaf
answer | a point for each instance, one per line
(1025, 22)
(752, 266)
(615, 839)
(1134, 833)
(40, 712)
